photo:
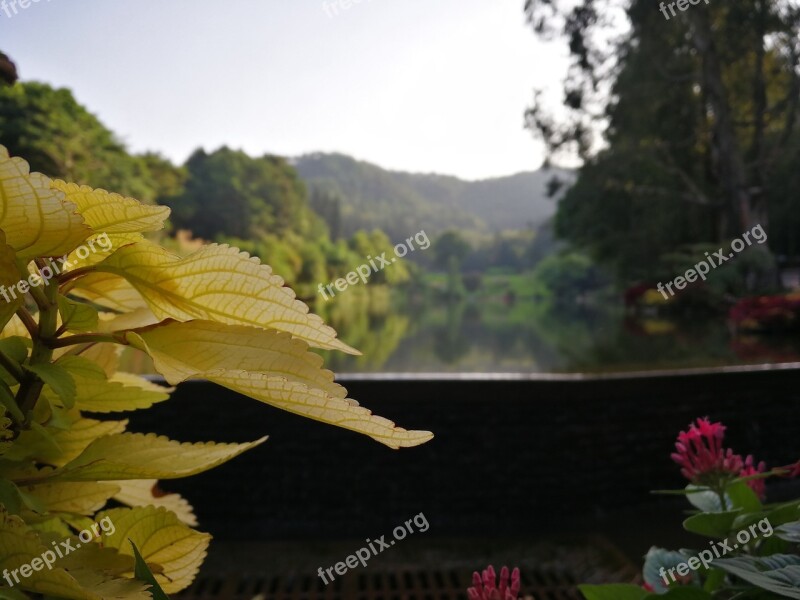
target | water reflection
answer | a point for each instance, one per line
(507, 334)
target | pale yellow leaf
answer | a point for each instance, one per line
(97, 248)
(141, 317)
(105, 356)
(269, 366)
(14, 328)
(109, 291)
(161, 539)
(145, 492)
(75, 440)
(139, 456)
(96, 392)
(82, 498)
(10, 301)
(37, 220)
(111, 213)
(185, 350)
(217, 283)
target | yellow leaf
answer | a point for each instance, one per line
(111, 213)
(9, 277)
(82, 498)
(145, 492)
(19, 545)
(162, 539)
(99, 247)
(138, 456)
(37, 220)
(75, 440)
(109, 291)
(217, 283)
(141, 317)
(105, 356)
(266, 365)
(14, 328)
(96, 392)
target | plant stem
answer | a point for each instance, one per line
(31, 387)
(71, 275)
(7, 400)
(11, 366)
(29, 322)
(86, 338)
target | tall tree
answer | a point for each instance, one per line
(729, 70)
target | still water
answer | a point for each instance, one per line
(499, 335)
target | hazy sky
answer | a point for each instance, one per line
(418, 85)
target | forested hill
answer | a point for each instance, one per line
(359, 195)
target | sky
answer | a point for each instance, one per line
(414, 85)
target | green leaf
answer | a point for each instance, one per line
(15, 349)
(703, 499)
(10, 497)
(658, 559)
(615, 591)
(742, 496)
(789, 532)
(143, 573)
(779, 573)
(76, 316)
(59, 380)
(714, 525)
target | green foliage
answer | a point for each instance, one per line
(229, 194)
(401, 204)
(765, 564)
(700, 132)
(60, 137)
(567, 275)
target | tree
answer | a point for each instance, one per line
(450, 249)
(228, 193)
(695, 112)
(63, 139)
(8, 71)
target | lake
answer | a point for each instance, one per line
(491, 335)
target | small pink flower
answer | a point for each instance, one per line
(700, 452)
(485, 587)
(759, 486)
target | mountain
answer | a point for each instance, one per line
(368, 196)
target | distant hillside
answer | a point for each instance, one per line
(403, 203)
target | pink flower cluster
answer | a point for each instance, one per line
(485, 587)
(701, 456)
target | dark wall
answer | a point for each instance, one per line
(509, 457)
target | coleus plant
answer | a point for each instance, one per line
(752, 552)
(80, 281)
